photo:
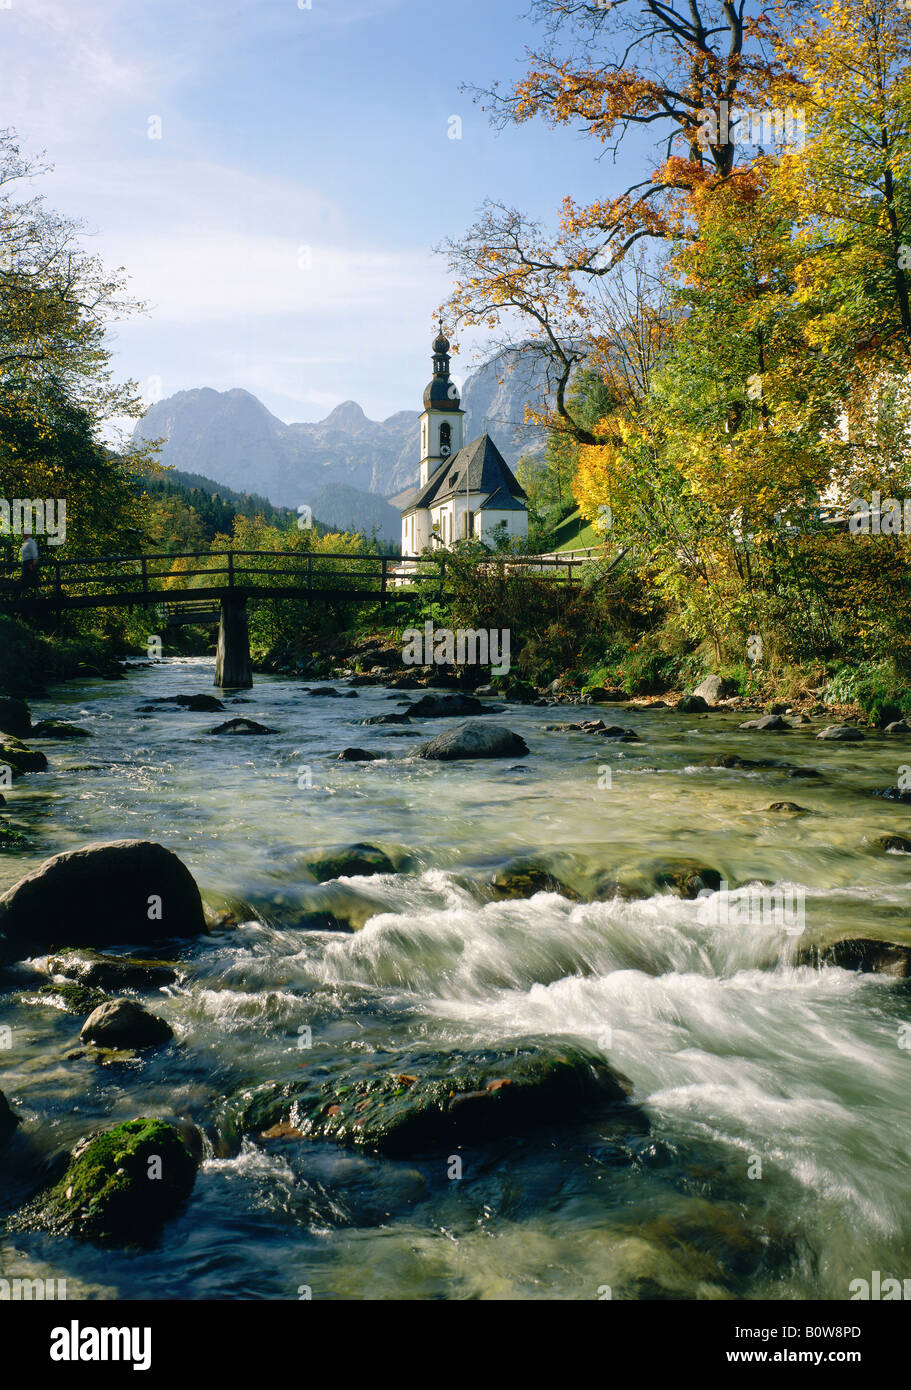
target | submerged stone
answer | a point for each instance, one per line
(352, 861)
(688, 880)
(121, 1185)
(522, 878)
(432, 1100)
(896, 843)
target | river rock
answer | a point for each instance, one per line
(712, 689)
(111, 972)
(58, 728)
(732, 760)
(107, 1194)
(123, 1023)
(357, 755)
(474, 741)
(688, 880)
(692, 704)
(241, 726)
(606, 695)
(845, 733)
(8, 1119)
(199, 704)
(432, 1101)
(19, 757)
(896, 843)
(863, 954)
(806, 772)
(617, 732)
(769, 723)
(126, 891)
(902, 794)
(788, 808)
(15, 717)
(441, 706)
(522, 878)
(387, 719)
(351, 862)
(898, 726)
(325, 690)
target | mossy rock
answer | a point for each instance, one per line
(99, 971)
(688, 880)
(120, 1186)
(522, 878)
(354, 861)
(11, 839)
(20, 757)
(58, 728)
(428, 1101)
(72, 997)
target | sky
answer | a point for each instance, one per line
(274, 177)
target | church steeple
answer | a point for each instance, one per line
(441, 422)
(441, 392)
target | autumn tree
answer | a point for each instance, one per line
(607, 71)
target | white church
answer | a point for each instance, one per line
(465, 490)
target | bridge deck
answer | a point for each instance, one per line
(146, 581)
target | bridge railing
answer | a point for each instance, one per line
(156, 578)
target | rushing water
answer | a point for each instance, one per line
(779, 1096)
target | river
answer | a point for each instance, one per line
(778, 1095)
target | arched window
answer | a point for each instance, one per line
(446, 435)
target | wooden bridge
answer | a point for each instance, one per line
(215, 586)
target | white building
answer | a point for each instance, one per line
(464, 491)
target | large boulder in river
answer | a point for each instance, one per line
(841, 733)
(15, 717)
(123, 1023)
(121, 1185)
(474, 741)
(863, 954)
(431, 1101)
(128, 891)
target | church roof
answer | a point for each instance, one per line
(502, 501)
(478, 467)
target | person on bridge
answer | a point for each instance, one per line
(28, 558)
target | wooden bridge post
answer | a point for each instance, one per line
(232, 660)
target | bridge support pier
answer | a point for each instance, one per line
(232, 660)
